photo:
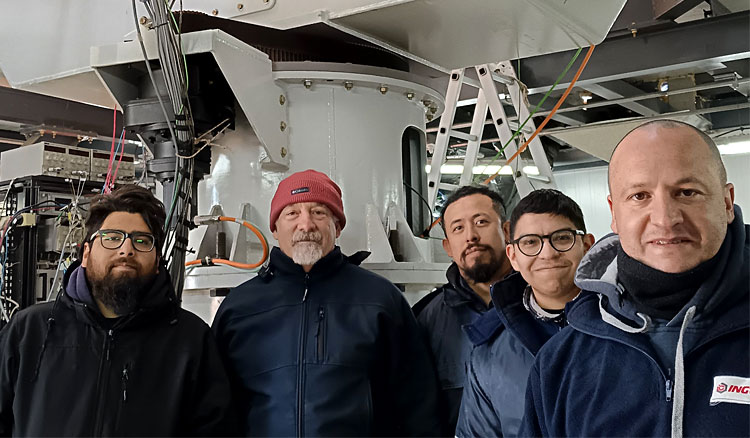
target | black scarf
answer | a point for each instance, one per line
(660, 294)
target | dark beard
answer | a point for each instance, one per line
(120, 294)
(484, 272)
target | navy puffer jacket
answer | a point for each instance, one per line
(506, 340)
(332, 352)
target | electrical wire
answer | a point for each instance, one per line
(208, 261)
(549, 116)
(536, 108)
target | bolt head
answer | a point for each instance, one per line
(215, 12)
(383, 89)
(307, 83)
(143, 20)
(282, 99)
(348, 85)
(283, 152)
(410, 96)
(240, 6)
(282, 126)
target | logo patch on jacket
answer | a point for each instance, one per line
(730, 389)
(300, 190)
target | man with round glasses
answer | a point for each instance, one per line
(114, 354)
(548, 241)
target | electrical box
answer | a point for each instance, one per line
(100, 165)
(45, 159)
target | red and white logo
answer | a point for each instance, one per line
(730, 389)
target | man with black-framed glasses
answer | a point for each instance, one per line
(114, 354)
(548, 241)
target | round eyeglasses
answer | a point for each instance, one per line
(561, 240)
(113, 239)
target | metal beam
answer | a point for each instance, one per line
(671, 9)
(55, 114)
(705, 42)
(620, 89)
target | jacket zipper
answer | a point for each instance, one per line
(320, 335)
(301, 362)
(104, 365)
(669, 386)
(125, 379)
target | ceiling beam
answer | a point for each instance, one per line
(705, 42)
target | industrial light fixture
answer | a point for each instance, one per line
(490, 169)
(585, 97)
(735, 147)
(663, 85)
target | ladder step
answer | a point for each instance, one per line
(463, 135)
(446, 186)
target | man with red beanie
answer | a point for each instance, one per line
(316, 345)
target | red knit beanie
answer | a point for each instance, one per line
(307, 186)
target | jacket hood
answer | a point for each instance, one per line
(597, 273)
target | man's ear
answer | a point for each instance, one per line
(510, 251)
(86, 254)
(506, 231)
(447, 248)
(588, 242)
(613, 225)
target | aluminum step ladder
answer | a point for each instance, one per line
(487, 98)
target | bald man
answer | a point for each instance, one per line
(658, 342)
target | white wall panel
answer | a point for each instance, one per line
(588, 187)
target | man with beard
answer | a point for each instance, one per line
(316, 345)
(472, 220)
(114, 354)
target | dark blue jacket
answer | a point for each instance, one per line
(506, 340)
(604, 376)
(334, 352)
(441, 316)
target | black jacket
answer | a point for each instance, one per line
(155, 372)
(441, 315)
(334, 352)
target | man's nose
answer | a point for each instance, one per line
(548, 252)
(472, 234)
(305, 221)
(665, 211)
(127, 249)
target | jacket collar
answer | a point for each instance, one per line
(281, 263)
(510, 314)
(459, 293)
(727, 285)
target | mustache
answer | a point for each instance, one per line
(302, 236)
(475, 246)
(124, 262)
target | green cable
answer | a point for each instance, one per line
(536, 108)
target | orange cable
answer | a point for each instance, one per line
(233, 263)
(549, 116)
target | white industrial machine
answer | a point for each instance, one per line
(358, 116)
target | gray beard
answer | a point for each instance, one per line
(306, 253)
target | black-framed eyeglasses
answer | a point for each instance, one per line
(561, 240)
(113, 239)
